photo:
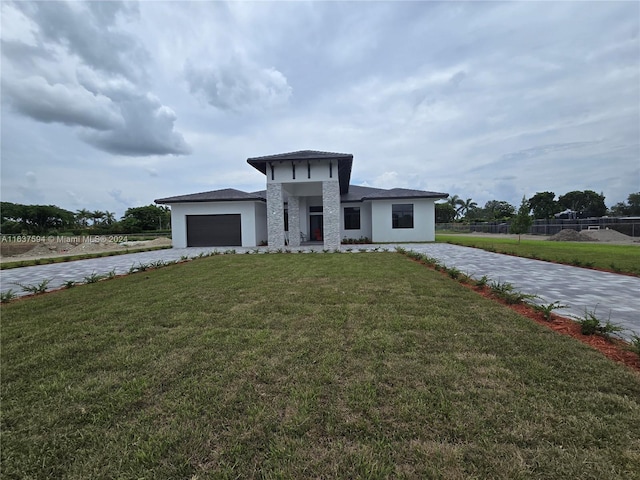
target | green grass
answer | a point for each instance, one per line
(620, 258)
(82, 256)
(366, 365)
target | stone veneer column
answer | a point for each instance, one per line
(275, 215)
(331, 214)
(294, 221)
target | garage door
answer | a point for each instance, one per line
(214, 230)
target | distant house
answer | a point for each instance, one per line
(308, 199)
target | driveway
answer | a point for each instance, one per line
(612, 296)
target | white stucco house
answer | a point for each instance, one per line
(308, 199)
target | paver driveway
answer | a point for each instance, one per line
(612, 296)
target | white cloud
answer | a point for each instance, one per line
(239, 85)
(68, 104)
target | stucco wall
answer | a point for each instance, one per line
(423, 222)
(365, 221)
(247, 210)
(261, 223)
(283, 173)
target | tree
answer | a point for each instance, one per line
(97, 216)
(522, 221)
(109, 218)
(543, 205)
(634, 203)
(499, 210)
(466, 206)
(34, 219)
(82, 217)
(445, 213)
(150, 217)
(455, 202)
(631, 208)
(587, 203)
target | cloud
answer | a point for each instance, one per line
(541, 150)
(30, 188)
(116, 194)
(89, 31)
(68, 104)
(71, 63)
(239, 85)
(147, 130)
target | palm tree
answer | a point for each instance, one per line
(456, 202)
(82, 217)
(96, 216)
(109, 217)
(466, 205)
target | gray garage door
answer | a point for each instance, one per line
(214, 230)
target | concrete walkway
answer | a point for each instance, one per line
(612, 296)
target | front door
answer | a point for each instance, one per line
(315, 230)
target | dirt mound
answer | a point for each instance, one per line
(606, 235)
(93, 247)
(159, 242)
(44, 249)
(568, 235)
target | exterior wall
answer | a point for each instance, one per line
(283, 172)
(304, 215)
(246, 209)
(261, 223)
(365, 221)
(423, 221)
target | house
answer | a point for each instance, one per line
(308, 199)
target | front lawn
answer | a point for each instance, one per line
(363, 365)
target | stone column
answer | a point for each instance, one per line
(331, 213)
(275, 215)
(294, 221)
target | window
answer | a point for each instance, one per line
(402, 215)
(352, 218)
(315, 209)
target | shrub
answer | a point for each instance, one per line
(548, 309)
(6, 297)
(35, 289)
(506, 292)
(635, 343)
(590, 324)
(93, 278)
(453, 272)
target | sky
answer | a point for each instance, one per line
(110, 105)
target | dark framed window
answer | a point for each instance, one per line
(315, 209)
(402, 215)
(352, 218)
